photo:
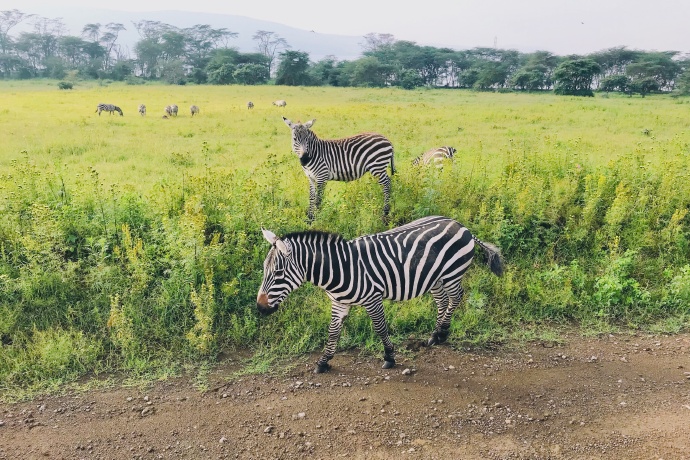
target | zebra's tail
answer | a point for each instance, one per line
(392, 165)
(494, 259)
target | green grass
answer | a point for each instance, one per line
(133, 244)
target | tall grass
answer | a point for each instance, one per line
(130, 243)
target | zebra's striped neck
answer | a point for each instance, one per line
(325, 259)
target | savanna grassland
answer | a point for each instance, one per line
(132, 243)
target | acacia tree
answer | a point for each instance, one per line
(268, 44)
(293, 69)
(574, 77)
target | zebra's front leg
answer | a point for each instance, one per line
(316, 190)
(338, 314)
(385, 182)
(441, 297)
(375, 311)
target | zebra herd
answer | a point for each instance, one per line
(170, 110)
(430, 254)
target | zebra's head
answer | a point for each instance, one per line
(281, 274)
(301, 136)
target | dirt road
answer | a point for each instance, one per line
(615, 397)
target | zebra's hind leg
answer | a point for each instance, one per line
(338, 314)
(455, 293)
(316, 190)
(441, 297)
(385, 182)
(375, 311)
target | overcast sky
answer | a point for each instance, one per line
(560, 26)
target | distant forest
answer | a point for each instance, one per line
(204, 55)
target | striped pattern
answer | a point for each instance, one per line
(250, 105)
(428, 255)
(435, 156)
(341, 160)
(280, 103)
(171, 110)
(108, 108)
(194, 109)
(142, 109)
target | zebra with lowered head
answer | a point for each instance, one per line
(435, 156)
(194, 109)
(108, 108)
(171, 110)
(250, 105)
(428, 255)
(142, 109)
(341, 160)
(280, 103)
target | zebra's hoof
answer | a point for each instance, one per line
(388, 364)
(442, 336)
(433, 340)
(321, 368)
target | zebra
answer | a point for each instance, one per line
(171, 110)
(435, 156)
(194, 109)
(108, 108)
(280, 103)
(142, 109)
(250, 105)
(341, 160)
(430, 254)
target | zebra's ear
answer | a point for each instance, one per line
(310, 123)
(282, 247)
(270, 236)
(287, 122)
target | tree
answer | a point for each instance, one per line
(374, 43)
(268, 44)
(574, 77)
(293, 69)
(8, 20)
(108, 40)
(657, 66)
(369, 71)
(250, 74)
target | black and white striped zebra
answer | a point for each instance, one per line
(142, 110)
(341, 160)
(435, 156)
(171, 110)
(108, 108)
(428, 255)
(280, 103)
(250, 105)
(194, 109)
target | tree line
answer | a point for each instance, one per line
(203, 54)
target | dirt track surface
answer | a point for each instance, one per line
(617, 397)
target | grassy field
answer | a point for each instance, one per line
(133, 243)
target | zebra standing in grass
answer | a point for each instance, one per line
(435, 156)
(194, 109)
(171, 110)
(108, 108)
(250, 105)
(341, 160)
(280, 103)
(142, 109)
(428, 255)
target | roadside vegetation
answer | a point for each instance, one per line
(133, 243)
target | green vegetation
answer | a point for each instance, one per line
(133, 243)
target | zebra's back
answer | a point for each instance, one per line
(350, 158)
(407, 261)
(435, 156)
(194, 109)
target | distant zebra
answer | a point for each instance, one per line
(250, 105)
(280, 103)
(435, 156)
(341, 160)
(194, 109)
(428, 255)
(108, 108)
(142, 109)
(171, 110)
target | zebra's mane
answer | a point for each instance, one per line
(307, 234)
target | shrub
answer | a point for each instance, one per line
(65, 85)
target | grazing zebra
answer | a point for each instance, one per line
(142, 109)
(108, 108)
(341, 160)
(250, 105)
(171, 110)
(435, 156)
(194, 109)
(428, 255)
(280, 103)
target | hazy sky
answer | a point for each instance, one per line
(560, 26)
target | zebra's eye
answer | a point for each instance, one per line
(279, 273)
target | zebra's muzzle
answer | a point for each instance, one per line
(263, 306)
